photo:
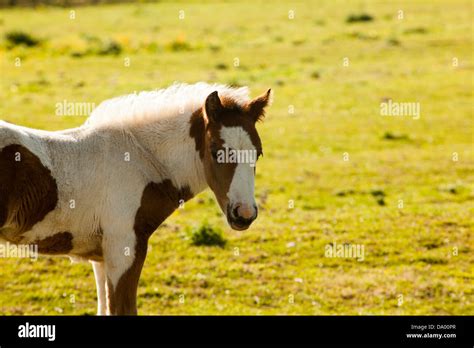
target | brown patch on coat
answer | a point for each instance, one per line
(57, 244)
(157, 203)
(95, 254)
(28, 192)
(197, 131)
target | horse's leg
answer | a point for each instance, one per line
(124, 257)
(99, 273)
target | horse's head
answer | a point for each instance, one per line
(231, 149)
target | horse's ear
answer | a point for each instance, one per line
(213, 107)
(256, 107)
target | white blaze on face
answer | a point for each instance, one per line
(241, 190)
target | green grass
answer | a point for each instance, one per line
(418, 258)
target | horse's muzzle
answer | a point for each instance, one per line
(236, 220)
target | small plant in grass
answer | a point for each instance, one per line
(215, 47)
(315, 75)
(222, 66)
(361, 17)
(379, 196)
(417, 30)
(17, 38)
(207, 235)
(110, 47)
(395, 136)
(393, 42)
(178, 45)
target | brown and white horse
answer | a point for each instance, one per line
(98, 192)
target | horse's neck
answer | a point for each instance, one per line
(171, 146)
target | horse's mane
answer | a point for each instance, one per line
(180, 98)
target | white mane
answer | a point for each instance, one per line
(148, 106)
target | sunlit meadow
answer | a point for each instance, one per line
(335, 170)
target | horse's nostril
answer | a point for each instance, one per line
(235, 211)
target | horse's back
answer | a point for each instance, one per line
(7, 134)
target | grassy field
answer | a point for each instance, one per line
(335, 170)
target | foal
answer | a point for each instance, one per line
(99, 191)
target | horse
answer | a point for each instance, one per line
(97, 192)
